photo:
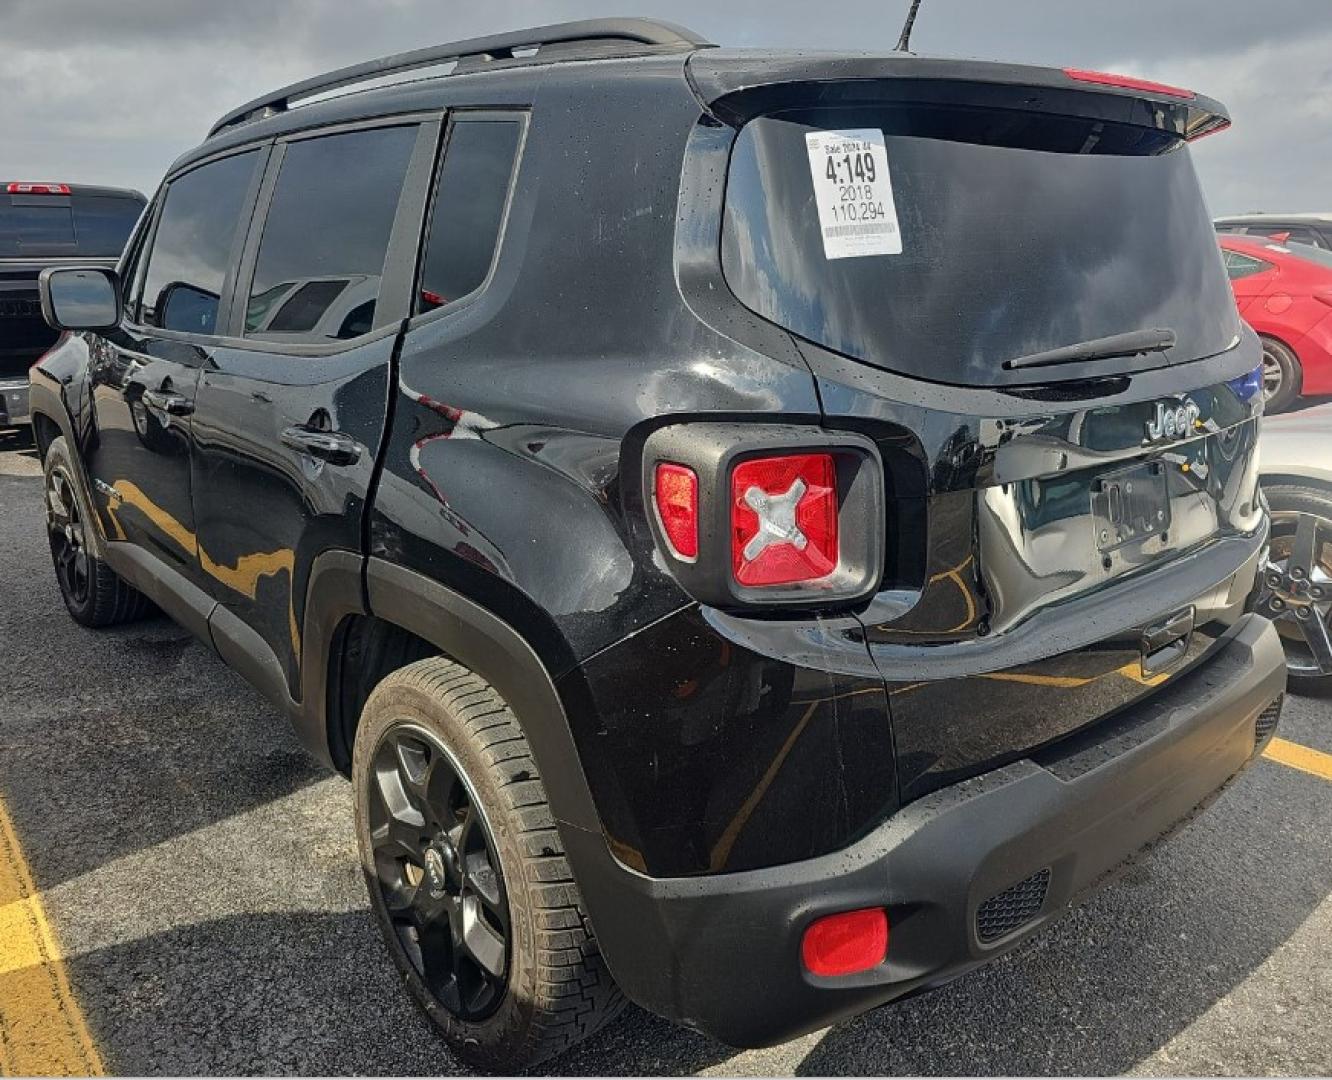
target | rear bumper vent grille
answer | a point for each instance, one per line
(1267, 721)
(1016, 906)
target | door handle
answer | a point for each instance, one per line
(169, 402)
(331, 446)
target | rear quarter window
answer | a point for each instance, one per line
(468, 211)
(1241, 266)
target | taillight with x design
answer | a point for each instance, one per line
(784, 519)
(769, 515)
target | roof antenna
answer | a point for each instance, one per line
(904, 42)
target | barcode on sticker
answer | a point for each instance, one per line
(859, 230)
(853, 193)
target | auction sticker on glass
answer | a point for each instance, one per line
(854, 193)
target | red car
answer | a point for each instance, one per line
(1284, 291)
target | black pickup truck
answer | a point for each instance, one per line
(45, 225)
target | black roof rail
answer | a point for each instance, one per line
(594, 34)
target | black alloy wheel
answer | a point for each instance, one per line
(64, 528)
(467, 874)
(438, 872)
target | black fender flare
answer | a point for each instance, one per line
(481, 641)
(478, 639)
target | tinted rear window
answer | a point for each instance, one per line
(1018, 235)
(469, 207)
(327, 234)
(63, 225)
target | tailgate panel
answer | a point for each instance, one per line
(1033, 599)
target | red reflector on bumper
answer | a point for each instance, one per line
(845, 943)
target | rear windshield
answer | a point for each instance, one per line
(1309, 252)
(32, 226)
(942, 242)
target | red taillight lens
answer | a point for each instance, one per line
(846, 943)
(19, 188)
(1127, 82)
(676, 495)
(784, 519)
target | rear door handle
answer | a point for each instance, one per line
(331, 446)
(169, 402)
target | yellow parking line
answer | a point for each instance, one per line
(42, 1030)
(1300, 757)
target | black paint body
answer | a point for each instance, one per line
(500, 462)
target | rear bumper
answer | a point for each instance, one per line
(721, 953)
(13, 401)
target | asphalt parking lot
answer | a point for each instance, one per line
(189, 879)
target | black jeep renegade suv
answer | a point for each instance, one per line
(786, 515)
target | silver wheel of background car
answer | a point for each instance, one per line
(1274, 378)
(1297, 592)
(1282, 377)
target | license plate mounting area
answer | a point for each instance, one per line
(1130, 506)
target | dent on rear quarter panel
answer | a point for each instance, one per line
(504, 467)
(512, 474)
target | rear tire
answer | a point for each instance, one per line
(94, 594)
(451, 816)
(1283, 378)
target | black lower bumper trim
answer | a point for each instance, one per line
(721, 953)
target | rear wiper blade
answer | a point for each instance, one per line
(1107, 348)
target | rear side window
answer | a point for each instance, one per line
(1016, 234)
(321, 257)
(192, 246)
(1241, 266)
(468, 213)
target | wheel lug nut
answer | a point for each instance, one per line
(1274, 579)
(1301, 613)
(1277, 603)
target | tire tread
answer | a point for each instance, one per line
(574, 993)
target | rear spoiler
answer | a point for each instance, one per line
(735, 85)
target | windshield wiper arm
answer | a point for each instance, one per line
(1107, 348)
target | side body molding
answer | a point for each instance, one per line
(494, 650)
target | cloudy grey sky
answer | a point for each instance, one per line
(111, 91)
